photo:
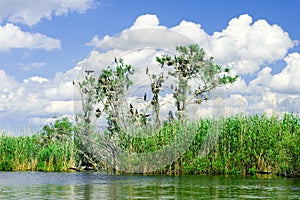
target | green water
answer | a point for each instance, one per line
(37, 185)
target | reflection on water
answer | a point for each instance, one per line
(37, 185)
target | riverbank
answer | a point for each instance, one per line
(245, 145)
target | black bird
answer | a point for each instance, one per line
(145, 115)
(98, 113)
(84, 90)
(171, 117)
(145, 97)
(147, 70)
(178, 107)
(73, 82)
(131, 109)
(88, 72)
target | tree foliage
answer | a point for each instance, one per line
(59, 131)
(191, 64)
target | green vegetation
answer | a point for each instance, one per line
(50, 150)
(248, 145)
(242, 145)
(245, 145)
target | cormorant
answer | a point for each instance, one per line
(88, 72)
(131, 109)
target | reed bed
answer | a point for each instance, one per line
(27, 153)
(241, 145)
(248, 144)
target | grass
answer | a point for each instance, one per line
(245, 144)
(24, 153)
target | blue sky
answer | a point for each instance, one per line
(45, 41)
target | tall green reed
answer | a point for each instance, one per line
(245, 144)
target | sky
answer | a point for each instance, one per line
(46, 44)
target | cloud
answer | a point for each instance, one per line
(146, 21)
(289, 103)
(145, 37)
(235, 104)
(246, 45)
(36, 79)
(36, 98)
(287, 81)
(145, 32)
(11, 36)
(193, 31)
(238, 86)
(94, 42)
(31, 66)
(243, 45)
(60, 107)
(8, 83)
(31, 12)
(263, 78)
(63, 91)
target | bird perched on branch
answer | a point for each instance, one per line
(171, 117)
(98, 112)
(131, 109)
(88, 72)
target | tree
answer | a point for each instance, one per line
(191, 64)
(103, 96)
(59, 131)
(110, 91)
(195, 77)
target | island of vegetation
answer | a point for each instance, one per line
(244, 144)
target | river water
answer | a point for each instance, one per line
(38, 185)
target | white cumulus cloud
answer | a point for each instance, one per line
(8, 83)
(287, 81)
(11, 36)
(31, 12)
(193, 31)
(36, 98)
(146, 21)
(145, 32)
(247, 45)
(37, 79)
